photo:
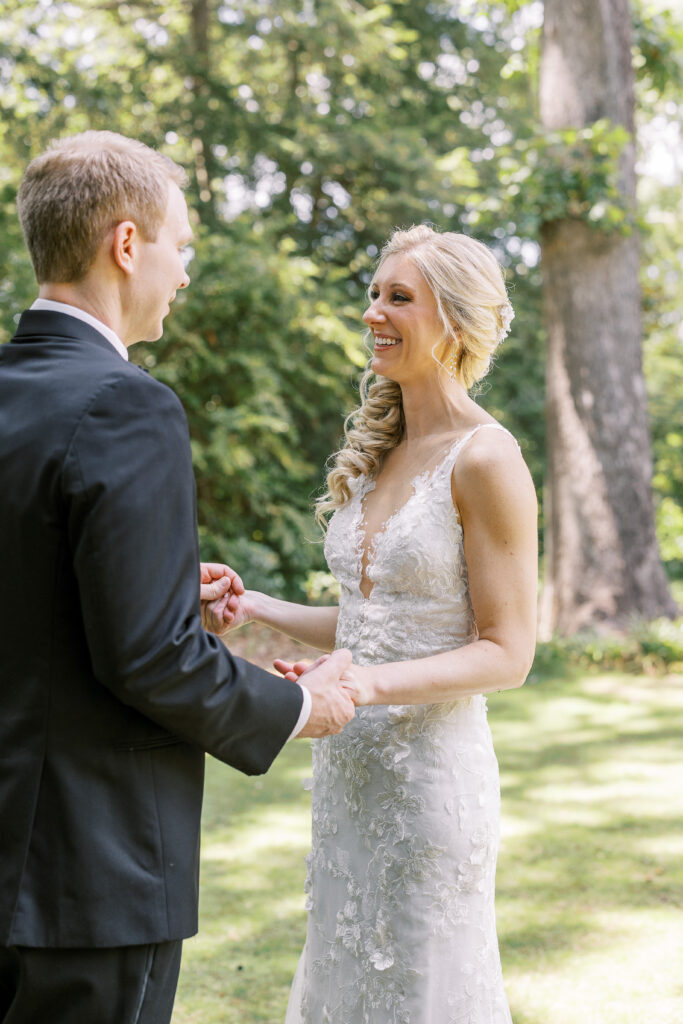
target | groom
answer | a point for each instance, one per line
(110, 690)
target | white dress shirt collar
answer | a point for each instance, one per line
(62, 307)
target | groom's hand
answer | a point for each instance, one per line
(355, 679)
(218, 580)
(332, 708)
(221, 591)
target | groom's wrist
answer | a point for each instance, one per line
(305, 712)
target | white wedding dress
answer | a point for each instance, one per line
(401, 875)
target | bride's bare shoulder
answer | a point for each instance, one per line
(491, 468)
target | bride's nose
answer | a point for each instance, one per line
(374, 314)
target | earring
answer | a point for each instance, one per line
(452, 363)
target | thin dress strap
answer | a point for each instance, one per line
(459, 445)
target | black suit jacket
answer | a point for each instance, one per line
(110, 690)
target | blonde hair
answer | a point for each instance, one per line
(468, 286)
(81, 187)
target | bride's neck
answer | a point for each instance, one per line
(435, 409)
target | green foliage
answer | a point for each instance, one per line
(258, 355)
(309, 132)
(572, 173)
(662, 294)
(654, 648)
(670, 529)
(17, 283)
(662, 288)
(658, 48)
(322, 588)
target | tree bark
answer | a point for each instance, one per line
(602, 564)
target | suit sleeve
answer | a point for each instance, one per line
(130, 497)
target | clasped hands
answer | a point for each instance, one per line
(220, 590)
(335, 684)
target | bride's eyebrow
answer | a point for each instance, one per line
(390, 287)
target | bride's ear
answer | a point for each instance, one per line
(124, 245)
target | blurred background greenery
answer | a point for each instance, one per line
(309, 131)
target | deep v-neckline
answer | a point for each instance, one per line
(367, 549)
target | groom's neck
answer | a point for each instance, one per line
(86, 296)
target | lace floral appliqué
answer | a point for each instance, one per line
(405, 801)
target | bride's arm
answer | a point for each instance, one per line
(315, 626)
(494, 494)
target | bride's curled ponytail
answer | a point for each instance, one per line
(373, 429)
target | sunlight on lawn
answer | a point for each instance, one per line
(590, 876)
(624, 972)
(590, 879)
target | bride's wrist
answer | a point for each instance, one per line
(369, 680)
(253, 602)
(376, 686)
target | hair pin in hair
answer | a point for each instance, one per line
(507, 315)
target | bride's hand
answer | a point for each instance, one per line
(357, 681)
(294, 670)
(228, 613)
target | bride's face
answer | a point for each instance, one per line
(404, 321)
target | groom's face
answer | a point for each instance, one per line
(161, 269)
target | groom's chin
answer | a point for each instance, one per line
(154, 333)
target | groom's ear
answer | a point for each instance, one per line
(124, 244)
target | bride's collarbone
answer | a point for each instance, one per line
(394, 485)
(402, 466)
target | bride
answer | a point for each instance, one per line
(433, 542)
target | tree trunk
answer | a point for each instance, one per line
(602, 564)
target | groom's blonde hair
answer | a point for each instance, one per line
(83, 186)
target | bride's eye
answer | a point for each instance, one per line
(400, 297)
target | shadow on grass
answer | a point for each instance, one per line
(593, 807)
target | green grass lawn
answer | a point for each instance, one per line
(590, 873)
